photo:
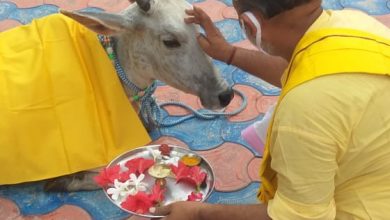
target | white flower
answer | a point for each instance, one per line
(119, 191)
(137, 184)
(156, 154)
(171, 160)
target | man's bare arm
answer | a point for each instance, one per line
(234, 212)
(268, 68)
(206, 211)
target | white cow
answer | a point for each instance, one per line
(153, 42)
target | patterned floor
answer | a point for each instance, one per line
(235, 162)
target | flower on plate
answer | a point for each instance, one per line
(124, 176)
(107, 176)
(191, 175)
(119, 191)
(195, 196)
(138, 203)
(156, 154)
(172, 160)
(180, 170)
(165, 149)
(157, 194)
(136, 185)
(139, 164)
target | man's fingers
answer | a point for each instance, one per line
(206, 22)
(190, 11)
(203, 42)
(163, 210)
(191, 20)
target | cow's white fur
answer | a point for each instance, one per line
(141, 50)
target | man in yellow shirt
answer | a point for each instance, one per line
(327, 154)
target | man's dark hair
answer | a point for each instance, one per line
(269, 8)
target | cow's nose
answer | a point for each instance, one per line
(225, 97)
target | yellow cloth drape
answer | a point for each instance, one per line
(324, 52)
(62, 107)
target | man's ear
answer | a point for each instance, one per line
(249, 26)
(101, 22)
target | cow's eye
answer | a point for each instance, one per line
(171, 43)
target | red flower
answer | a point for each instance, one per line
(124, 176)
(165, 149)
(180, 170)
(195, 197)
(107, 176)
(139, 164)
(191, 175)
(139, 203)
(157, 195)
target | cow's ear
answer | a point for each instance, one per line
(101, 22)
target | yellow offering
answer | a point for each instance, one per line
(191, 160)
(62, 107)
(159, 171)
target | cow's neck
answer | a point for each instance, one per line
(118, 56)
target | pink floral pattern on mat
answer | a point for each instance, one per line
(8, 24)
(232, 175)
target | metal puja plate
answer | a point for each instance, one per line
(174, 191)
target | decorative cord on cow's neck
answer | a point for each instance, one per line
(144, 96)
(108, 44)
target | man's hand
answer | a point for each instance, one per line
(213, 43)
(207, 211)
(179, 211)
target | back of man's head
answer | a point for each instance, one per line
(269, 8)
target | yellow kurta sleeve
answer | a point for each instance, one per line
(62, 107)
